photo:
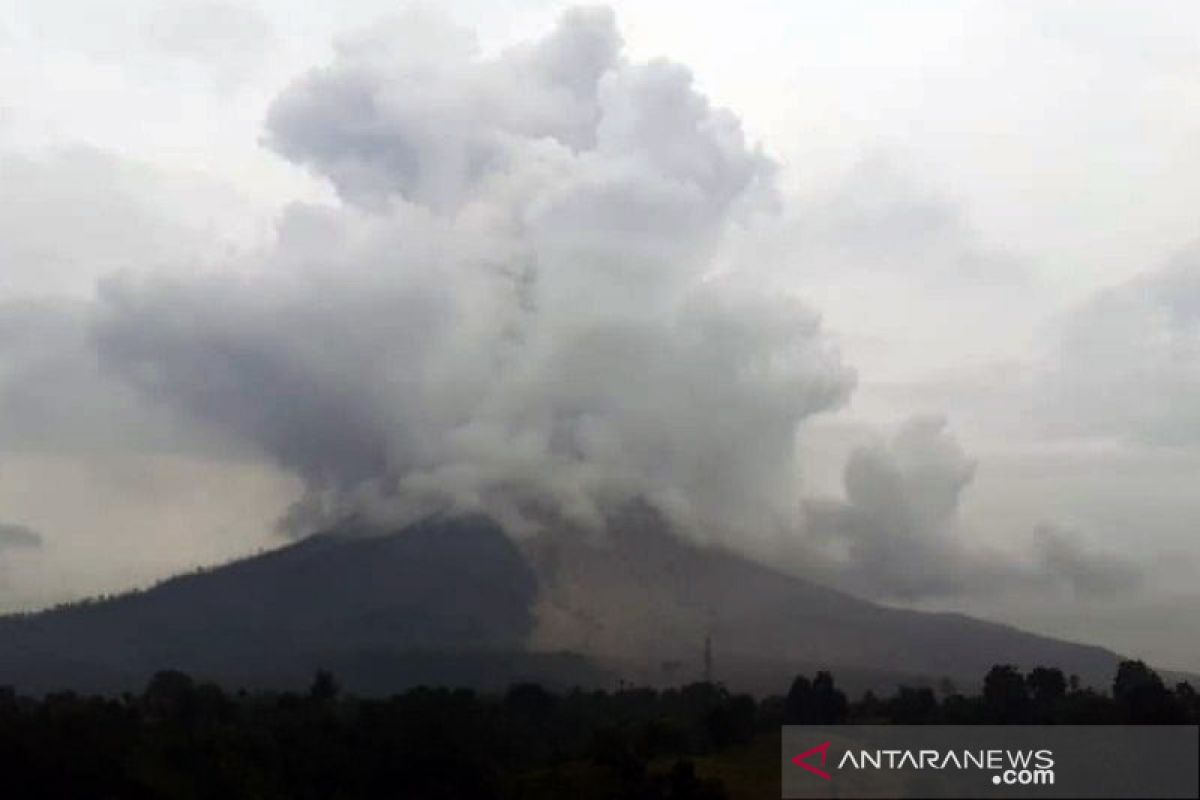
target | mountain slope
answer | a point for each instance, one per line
(457, 602)
(648, 598)
(448, 598)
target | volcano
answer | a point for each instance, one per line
(455, 601)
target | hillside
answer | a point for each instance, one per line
(438, 602)
(649, 601)
(457, 602)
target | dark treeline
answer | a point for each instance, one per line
(183, 739)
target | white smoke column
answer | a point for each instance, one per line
(514, 309)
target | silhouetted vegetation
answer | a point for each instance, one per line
(185, 739)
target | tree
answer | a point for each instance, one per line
(817, 703)
(869, 709)
(1134, 678)
(1046, 684)
(732, 721)
(324, 687)
(1142, 696)
(913, 706)
(1005, 695)
(529, 701)
(829, 702)
(799, 700)
(1047, 688)
(169, 694)
(1189, 700)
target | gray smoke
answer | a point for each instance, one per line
(896, 535)
(18, 537)
(1067, 561)
(520, 307)
(528, 301)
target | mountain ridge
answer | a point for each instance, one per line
(455, 600)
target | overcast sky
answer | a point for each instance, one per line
(956, 241)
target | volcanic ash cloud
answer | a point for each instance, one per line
(520, 304)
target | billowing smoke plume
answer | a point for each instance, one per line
(896, 535)
(526, 301)
(520, 305)
(1066, 560)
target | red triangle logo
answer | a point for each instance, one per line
(800, 761)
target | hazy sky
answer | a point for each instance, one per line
(991, 207)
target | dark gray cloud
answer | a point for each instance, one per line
(56, 397)
(254, 366)
(18, 537)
